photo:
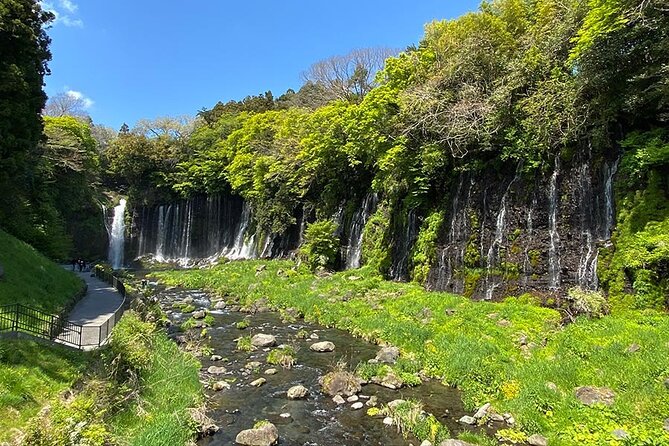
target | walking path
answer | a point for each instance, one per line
(94, 309)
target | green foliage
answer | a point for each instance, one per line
(321, 247)
(31, 374)
(409, 417)
(285, 357)
(589, 303)
(425, 249)
(636, 272)
(465, 345)
(243, 324)
(375, 247)
(244, 344)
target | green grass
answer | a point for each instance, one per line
(31, 374)
(32, 279)
(476, 346)
(169, 387)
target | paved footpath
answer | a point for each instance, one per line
(95, 308)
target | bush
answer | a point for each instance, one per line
(131, 344)
(589, 303)
(321, 246)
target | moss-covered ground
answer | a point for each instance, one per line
(514, 354)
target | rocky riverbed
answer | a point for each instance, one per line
(243, 389)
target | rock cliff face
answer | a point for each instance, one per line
(506, 233)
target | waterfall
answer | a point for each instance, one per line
(609, 209)
(554, 247)
(354, 249)
(586, 275)
(527, 262)
(117, 236)
(242, 246)
(493, 250)
(399, 270)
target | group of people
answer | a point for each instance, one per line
(81, 264)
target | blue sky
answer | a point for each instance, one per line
(148, 58)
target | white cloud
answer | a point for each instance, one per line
(86, 101)
(63, 13)
(69, 5)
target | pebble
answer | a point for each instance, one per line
(285, 415)
(388, 421)
(215, 370)
(338, 399)
(314, 336)
(325, 346)
(356, 406)
(270, 372)
(216, 357)
(352, 398)
(426, 443)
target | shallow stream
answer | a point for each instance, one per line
(316, 420)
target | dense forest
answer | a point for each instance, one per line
(506, 123)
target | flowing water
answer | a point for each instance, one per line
(353, 252)
(316, 420)
(553, 215)
(117, 236)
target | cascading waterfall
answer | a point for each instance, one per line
(242, 247)
(354, 249)
(554, 247)
(609, 210)
(117, 236)
(493, 251)
(527, 262)
(399, 270)
(586, 275)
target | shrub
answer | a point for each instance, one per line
(589, 303)
(321, 246)
(285, 357)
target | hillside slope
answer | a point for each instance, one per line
(32, 279)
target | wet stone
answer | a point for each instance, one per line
(270, 372)
(352, 398)
(338, 399)
(263, 340)
(356, 406)
(258, 382)
(216, 370)
(220, 385)
(216, 357)
(322, 347)
(297, 392)
(467, 420)
(266, 435)
(201, 314)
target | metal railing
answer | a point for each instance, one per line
(18, 318)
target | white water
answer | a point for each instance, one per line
(554, 247)
(356, 231)
(609, 217)
(493, 250)
(117, 236)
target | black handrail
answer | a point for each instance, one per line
(19, 318)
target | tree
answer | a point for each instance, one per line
(66, 104)
(351, 76)
(24, 54)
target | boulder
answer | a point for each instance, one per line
(340, 382)
(258, 382)
(220, 385)
(483, 411)
(297, 392)
(339, 400)
(216, 370)
(467, 420)
(324, 346)
(270, 372)
(620, 434)
(453, 442)
(263, 340)
(390, 380)
(537, 440)
(201, 314)
(220, 305)
(388, 355)
(633, 348)
(265, 435)
(590, 395)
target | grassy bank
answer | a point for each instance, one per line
(32, 279)
(514, 354)
(31, 374)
